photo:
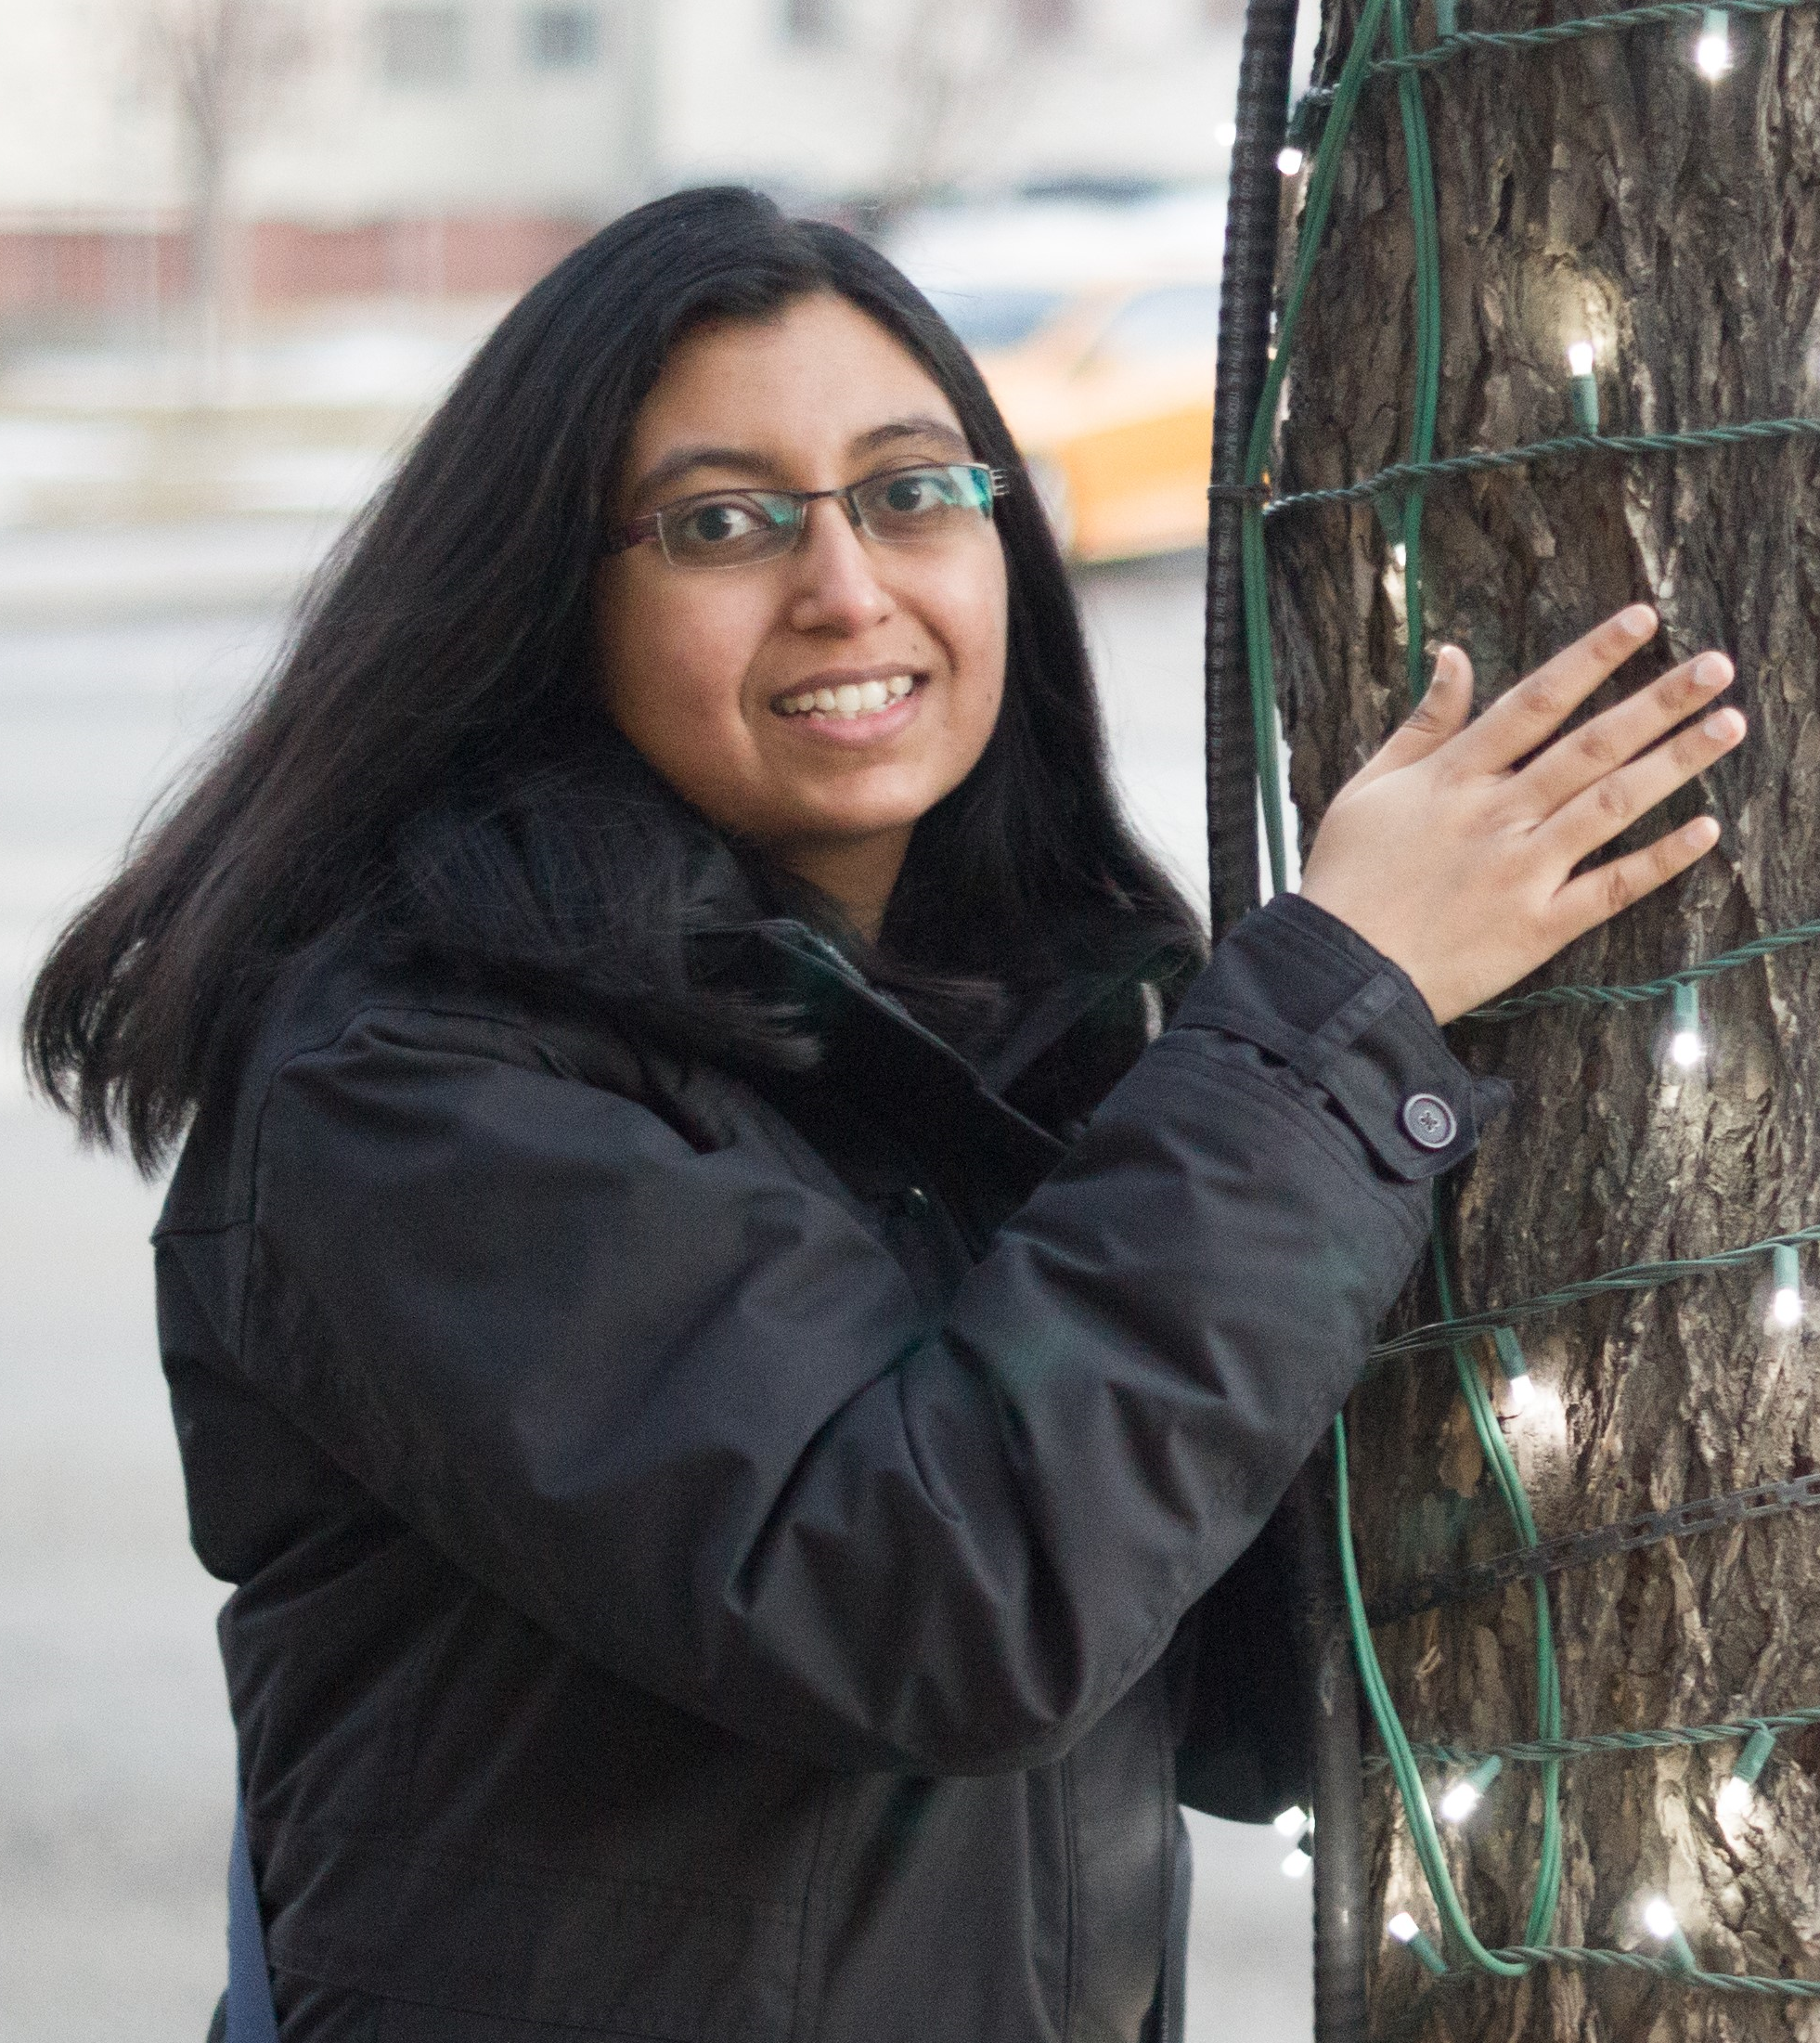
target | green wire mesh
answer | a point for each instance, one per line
(1398, 492)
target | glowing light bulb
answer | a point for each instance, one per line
(1736, 1799)
(1289, 161)
(1786, 1304)
(1466, 1795)
(1518, 1385)
(1712, 53)
(1290, 1822)
(1663, 1924)
(1406, 1930)
(1296, 1864)
(1583, 386)
(1686, 1046)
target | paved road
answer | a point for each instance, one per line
(115, 1759)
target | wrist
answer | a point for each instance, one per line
(1368, 929)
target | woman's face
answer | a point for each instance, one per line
(708, 670)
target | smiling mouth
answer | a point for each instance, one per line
(850, 700)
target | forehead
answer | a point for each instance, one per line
(812, 381)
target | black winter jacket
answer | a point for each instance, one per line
(739, 1563)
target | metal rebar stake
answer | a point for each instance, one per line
(1248, 287)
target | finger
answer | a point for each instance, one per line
(1441, 715)
(1595, 896)
(1614, 803)
(1588, 754)
(1529, 713)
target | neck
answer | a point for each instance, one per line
(855, 874)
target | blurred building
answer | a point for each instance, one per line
(295, 149)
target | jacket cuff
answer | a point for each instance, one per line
(1300, 986)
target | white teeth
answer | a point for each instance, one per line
(850, 699)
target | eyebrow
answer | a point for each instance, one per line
(683, 461)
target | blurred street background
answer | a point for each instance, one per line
(244, 247)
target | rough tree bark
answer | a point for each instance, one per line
(1601, 191)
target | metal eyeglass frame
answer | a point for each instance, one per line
(651, 526)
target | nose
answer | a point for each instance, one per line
(835, 588)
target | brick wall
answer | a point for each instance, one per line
(64, 274)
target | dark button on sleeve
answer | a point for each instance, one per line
(1430, 1121)
(1309, 992)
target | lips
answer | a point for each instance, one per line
(847, 700)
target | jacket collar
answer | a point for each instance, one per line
(905, 1069)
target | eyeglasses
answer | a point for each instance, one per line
(902, 507)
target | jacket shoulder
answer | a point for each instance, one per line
(336, 988)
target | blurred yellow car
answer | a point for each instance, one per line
(1108, 391)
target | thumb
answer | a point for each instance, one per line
(1441, 715)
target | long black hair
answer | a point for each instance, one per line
(432, 755)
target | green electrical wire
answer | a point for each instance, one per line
(1428, 322)
(1649, 989)
(1427, 402)
(1664, 1968)
(1465, 42)
(1389, 482)
(1533, 1751)
(1509, 1481)
(1315, 207)
(1632, 1276)
(1402, 1760)
(1615, 20)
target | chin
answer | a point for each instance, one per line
(852, 813)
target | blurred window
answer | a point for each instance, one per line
(420, 45)
(988, 320)
(1173, 319)
(1042, 19)
(811, 20)
(563, 38)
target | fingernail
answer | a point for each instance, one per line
(1723, 723)
(1711, 670)
(1639, 620)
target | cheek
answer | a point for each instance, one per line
(672, 672)
(974, 628)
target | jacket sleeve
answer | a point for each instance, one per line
(681, 1408)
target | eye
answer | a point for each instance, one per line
(719, 521)
(918, 489)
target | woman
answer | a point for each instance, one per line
(735, 1365)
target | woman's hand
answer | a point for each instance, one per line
(1455, 861)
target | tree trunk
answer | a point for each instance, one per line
(1602, 190)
